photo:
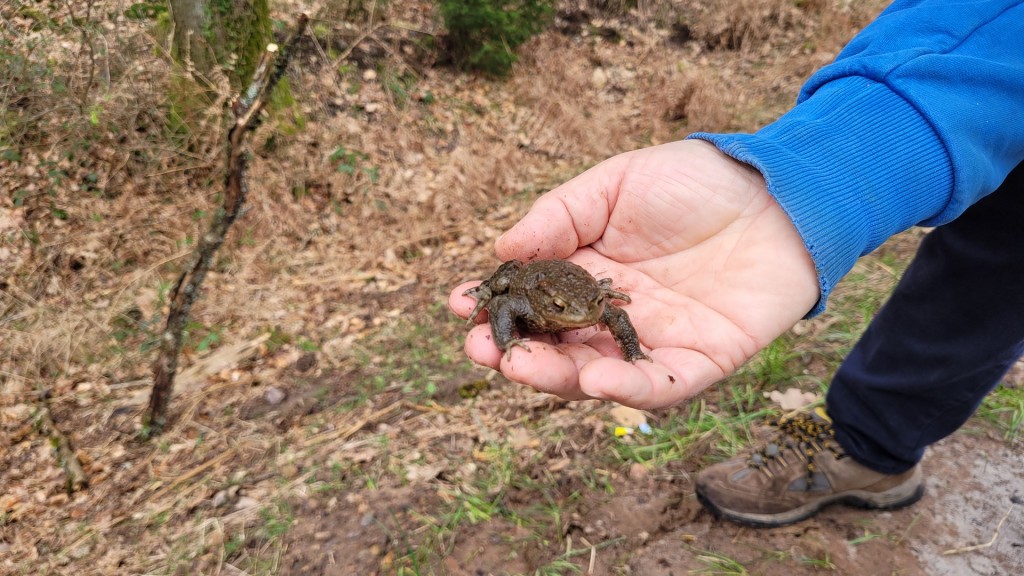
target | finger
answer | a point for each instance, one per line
(544, 366)
(462, 305)
(672, 377)
(480, 347)
(549, 368)
(574, 214)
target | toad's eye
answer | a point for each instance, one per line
(558, 303)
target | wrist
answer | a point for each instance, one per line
(850, 166)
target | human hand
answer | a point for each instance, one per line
(714, 267)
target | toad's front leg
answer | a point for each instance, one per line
(622, 330)
(498, 283)
(503, 311)
(483, 295)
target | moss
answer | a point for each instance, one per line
(283, 104)
(240, 31)
(235, 34)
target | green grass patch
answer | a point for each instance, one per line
(415, 354)
(1004, 408)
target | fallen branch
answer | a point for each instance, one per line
(246, 109)
(75, 478)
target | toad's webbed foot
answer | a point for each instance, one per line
(520, 342)
(483, 295)
(606, 286)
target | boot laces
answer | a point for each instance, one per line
(801, 434)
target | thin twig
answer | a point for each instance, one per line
(359, 41)
(344, 433)
(987, 544)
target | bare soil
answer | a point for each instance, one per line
(326, 421)
(651, 525)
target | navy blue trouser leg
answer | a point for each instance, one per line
(952, 328)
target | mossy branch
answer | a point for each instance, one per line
(246, 109)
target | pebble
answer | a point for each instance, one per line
(274, 395)
(220, 498)
(245, 502)
(638, 472)
(599, 78)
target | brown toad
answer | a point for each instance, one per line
(551, 296)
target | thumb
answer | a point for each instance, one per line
(572, 215)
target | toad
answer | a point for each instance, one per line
(551, 296)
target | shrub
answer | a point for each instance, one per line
(483, 34)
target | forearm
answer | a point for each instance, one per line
(919, 117)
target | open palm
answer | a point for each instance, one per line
(713, 265)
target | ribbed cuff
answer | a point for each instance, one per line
(852, 165)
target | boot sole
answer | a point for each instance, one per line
(891, 500)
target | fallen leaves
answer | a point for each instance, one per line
(792, 398)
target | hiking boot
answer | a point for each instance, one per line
(800, 471)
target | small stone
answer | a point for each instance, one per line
(369, 75)
(322, 535)
(220, 499)
(245, 502)
(638, 472)
(372, 107)
(367, 519)
(274, 395)
(599, 78)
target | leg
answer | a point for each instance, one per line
(948, 334)
(503, 311)
(951, 329)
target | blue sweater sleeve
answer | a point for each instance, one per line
(920, 116)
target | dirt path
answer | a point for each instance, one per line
(652, 527)
(972, 483)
